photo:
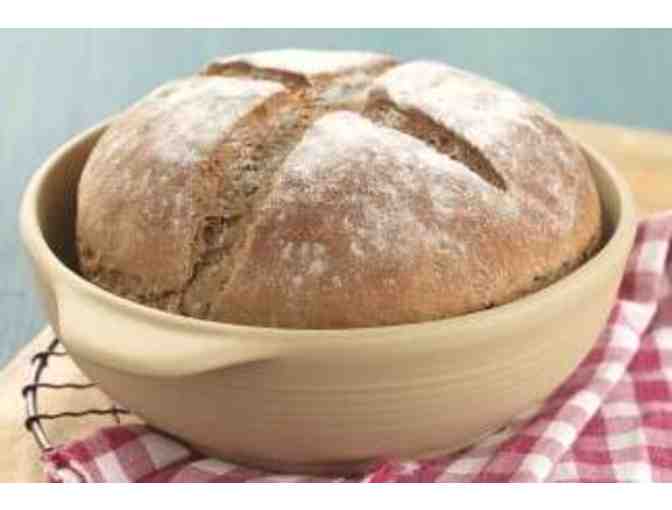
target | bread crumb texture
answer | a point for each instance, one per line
(327, 189)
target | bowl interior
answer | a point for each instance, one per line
(57, 199)
(611, 198)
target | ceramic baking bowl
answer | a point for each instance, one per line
(319, 400)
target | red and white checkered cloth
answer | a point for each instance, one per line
(610, 421)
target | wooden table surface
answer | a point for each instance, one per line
(644, 157)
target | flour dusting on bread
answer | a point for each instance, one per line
(489, 115)
(479, 110)
(394, 192)
(189, 117)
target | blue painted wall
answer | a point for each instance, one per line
(54, 83)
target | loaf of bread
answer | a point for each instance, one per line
(325, 189)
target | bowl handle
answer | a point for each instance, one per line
(118, 338)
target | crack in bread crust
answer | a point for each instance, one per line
(237, 69)
(242, 169)
(239, 170)
(420, 126)
(301, 68)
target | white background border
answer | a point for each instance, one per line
(336, 13)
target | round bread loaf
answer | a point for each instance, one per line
(320, 189)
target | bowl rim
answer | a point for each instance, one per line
(623, 232)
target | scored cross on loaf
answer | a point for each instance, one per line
(325, 189)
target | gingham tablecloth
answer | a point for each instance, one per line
(610, 421)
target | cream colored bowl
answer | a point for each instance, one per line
(317, 401)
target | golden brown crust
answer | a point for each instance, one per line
(333, 194)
